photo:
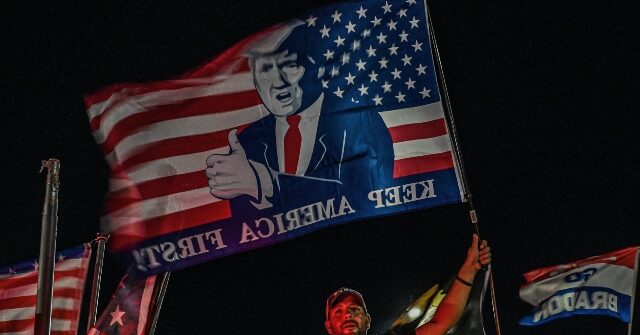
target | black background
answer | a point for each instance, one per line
(544, 96)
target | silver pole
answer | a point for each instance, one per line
(47, 248)
(634, 294)
(100, 240)
(446, 104)
(158, 296)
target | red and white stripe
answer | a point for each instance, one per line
(18, 293)
(420, 138)
(156, 138)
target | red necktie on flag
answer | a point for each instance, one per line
(292, 142)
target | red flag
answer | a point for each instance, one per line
(18, 289)
(128, 310)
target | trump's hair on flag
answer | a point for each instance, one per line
(18, 290)
(598, 285)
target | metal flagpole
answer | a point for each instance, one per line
(634, 294)
(101, 240)
(458, 154)
(158, 294)
(47, 248)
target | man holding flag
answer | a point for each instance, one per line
(346, 311)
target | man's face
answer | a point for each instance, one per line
(277, 77)
(348, 317)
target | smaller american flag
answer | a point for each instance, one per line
(18, 290)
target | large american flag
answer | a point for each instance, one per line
(156, 136)
(18, 289)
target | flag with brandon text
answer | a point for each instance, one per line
(598, 285)
(18, 293)
(331, 117)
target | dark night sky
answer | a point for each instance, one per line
(544, 96)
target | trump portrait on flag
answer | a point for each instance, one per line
(300, 150)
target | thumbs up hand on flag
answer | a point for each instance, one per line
(231, 175)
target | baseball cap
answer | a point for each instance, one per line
(339, 294)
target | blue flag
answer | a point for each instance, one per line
(332, 117)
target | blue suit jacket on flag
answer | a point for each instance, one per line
(351, 151)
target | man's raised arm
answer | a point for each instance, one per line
(451, 307)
